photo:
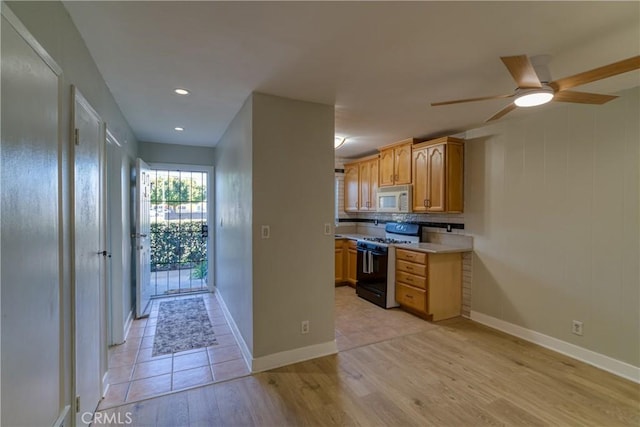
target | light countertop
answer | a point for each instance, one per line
(434, 248)
(350, 236)
(431, 248)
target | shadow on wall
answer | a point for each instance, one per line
(476, 191)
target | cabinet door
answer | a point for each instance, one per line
(352, 266)
(402, 164)
(420, 167)
(436, 178)
(339, 265)
(351, 187)
(373, 184)
(387, 170)
(365, 186)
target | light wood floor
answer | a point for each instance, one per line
(453, 373)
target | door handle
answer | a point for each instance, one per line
(104, 253)
(134, 235)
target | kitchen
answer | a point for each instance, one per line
(400, 256)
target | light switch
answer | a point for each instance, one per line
(327, 229)
(265, 232)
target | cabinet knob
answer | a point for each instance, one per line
(409, 296)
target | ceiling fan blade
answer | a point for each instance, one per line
(509, 108)
(582, 97)
(482, 98)
(522, 71)
(599, 73)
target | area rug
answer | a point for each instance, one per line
(183, 324)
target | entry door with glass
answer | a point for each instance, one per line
(179, 214)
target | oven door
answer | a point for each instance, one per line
(372, 265)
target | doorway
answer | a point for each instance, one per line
(180, 242)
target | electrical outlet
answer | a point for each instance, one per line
(576, 327)
(327, 229)
(304, 327)
(265, 231)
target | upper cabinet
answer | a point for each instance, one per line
(395, 163)
(361, 185)
(438, 170)
(351, 176)
(435, 169)
(368, 184)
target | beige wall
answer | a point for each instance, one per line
(234, 218)
(293, 192)
(552, 201)
(275, 154)
(152, 152)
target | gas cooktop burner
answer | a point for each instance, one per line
(383, 240)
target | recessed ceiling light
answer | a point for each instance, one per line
(178, 128)
(533, 97)
(338, 141)
(181, 91)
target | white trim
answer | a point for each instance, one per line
(31, 41)
(63, 415)
(598, 360)
(296, 355)
(127, 324)
(105, 385)
(246, 353)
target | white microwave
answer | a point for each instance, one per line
(394, 199)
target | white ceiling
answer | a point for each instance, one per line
(380, 63)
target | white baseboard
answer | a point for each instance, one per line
(246, 353)
(105, 384)
(127, 324)
(289, 357)
(609, 364)
(276, 360)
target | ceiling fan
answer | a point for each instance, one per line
(531, 91)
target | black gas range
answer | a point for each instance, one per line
(374, 263)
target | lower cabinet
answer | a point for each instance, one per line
(352, 263)
(429, 285)
(339, 261)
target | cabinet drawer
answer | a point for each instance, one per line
(411, 297)
(352, 244)
(411, 279)
(410, 267)
(339, 243)
(405, 255)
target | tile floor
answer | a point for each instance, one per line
(359, 322)
(134, 374)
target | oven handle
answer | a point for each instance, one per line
(371, 262)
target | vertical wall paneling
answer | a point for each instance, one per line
(553, 206)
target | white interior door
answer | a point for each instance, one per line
(31, 331)
(87, 256)
(144, 289)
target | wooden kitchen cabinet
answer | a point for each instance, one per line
(368, 180)
(395, 163)
(340, 261)
(429, 285)
(361, 185)
(352, 263)
(351, 187)
(438, 175)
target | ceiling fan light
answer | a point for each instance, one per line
(338, 142)
(534, 97)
